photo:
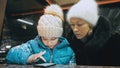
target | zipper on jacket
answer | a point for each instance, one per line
(51, 55)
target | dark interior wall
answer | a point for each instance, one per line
(112, 12)
(15, 32)
(2, 11)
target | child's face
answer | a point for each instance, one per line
(50, 41)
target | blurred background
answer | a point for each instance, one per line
(19, 18)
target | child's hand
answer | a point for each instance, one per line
(38, 56)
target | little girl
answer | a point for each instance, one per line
(49, 46)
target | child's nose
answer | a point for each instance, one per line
(49, 42)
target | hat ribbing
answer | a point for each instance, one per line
(50, 24)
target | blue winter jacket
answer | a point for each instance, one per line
(61, 54)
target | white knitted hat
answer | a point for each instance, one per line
(84, 9)
(50, 24)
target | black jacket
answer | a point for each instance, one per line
(92, 51)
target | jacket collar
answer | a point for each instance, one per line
(63, 42)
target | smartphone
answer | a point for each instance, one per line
(45, 64)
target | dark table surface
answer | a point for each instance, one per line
(55, 66)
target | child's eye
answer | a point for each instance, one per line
(53, 38)
(44, 39)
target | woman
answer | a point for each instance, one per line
(90, 34)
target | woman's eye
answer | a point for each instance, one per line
(72, 25)
(79, 24)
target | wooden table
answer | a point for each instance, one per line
(56, 66)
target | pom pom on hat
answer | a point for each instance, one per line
(55, 10)
(50, 24)
(86, 10)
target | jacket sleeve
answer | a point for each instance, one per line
(19, 54)
(72, 61)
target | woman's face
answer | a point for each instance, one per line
(80, 27)
(50, 41)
